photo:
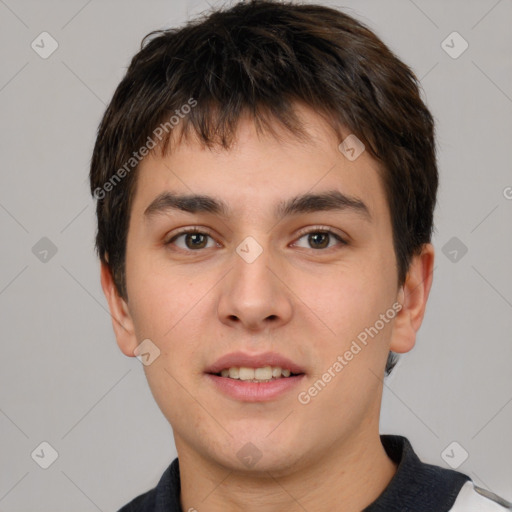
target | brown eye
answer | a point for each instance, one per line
(320, 239)
(193, 239)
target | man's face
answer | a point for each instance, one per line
(306, 296)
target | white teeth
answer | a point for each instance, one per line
(245, 373)
(265, 373)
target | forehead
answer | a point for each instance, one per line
(260, 170)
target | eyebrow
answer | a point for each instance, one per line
(331, 200)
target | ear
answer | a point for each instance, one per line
(121, 318)
(413, 297)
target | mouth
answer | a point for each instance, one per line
(262, 374)
(254, 378)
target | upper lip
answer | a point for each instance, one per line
(253, 361)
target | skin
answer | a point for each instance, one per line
(305, 302)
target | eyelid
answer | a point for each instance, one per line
(189, 230)
(300, 234)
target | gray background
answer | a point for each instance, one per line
(63, 379)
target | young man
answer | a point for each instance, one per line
(266, 179)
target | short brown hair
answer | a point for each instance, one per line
(262, 58)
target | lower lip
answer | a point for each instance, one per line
(255, 391)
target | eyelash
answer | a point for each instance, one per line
(301, 234)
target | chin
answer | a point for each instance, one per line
(259, 455)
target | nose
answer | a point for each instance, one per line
(254, 294)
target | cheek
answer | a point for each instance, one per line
(348, 299)
(158, 298)
(174, 311)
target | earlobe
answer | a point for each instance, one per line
(413, 296)
(121, 318)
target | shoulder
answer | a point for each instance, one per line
(165, 497)
(421, 487)
(143, 503)
(472, 498)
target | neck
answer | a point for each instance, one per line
(348, 476)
